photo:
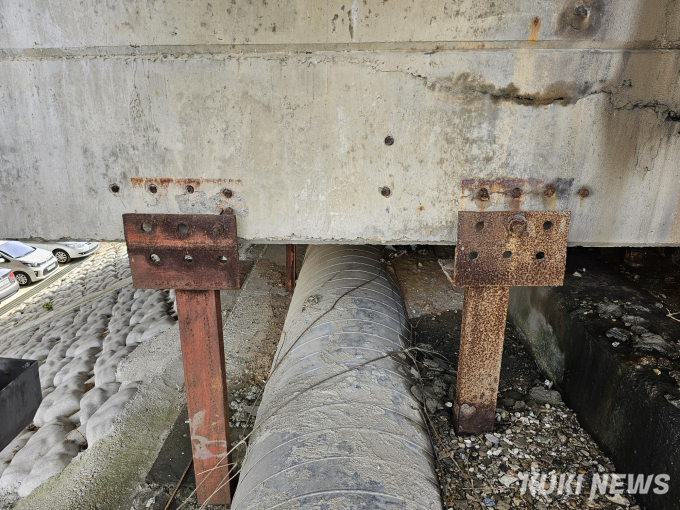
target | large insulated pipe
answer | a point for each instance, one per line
(353, 441)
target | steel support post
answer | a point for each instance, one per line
(495, 251)
(479, 360)
(200, 333)
(291, 267)
(197, 255)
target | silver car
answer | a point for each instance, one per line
(28, 264)
(8, 284)
(64, 251)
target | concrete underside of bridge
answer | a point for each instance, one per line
(343, 122)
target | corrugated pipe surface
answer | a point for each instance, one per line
(353, 441)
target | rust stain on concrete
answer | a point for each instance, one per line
(560, 92)
(166, 182)
(534, 27)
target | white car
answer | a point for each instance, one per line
(28, 264)
(8, 284)
(64, 251)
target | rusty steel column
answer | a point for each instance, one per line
(200, 332)
(197, 255)
(291, 267)
(479, 361)
(495, 251)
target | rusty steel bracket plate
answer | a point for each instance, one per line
(509, 249)
(182, 251)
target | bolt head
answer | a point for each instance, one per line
(217, 230)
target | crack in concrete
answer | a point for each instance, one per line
(559, 92)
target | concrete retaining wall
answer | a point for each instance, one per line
(623, 394)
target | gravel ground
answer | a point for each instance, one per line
(535, 432)
(79, 351)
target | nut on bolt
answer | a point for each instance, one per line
(549, 191)
(385, 191)
(515, 192)
(517, 225)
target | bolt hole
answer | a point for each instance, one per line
(182, 227)
(154, 258)
(474, 255)
(189, 189)
(389, 140)
(507, 254)
(540, 255)
(188, 258)
(581, 12)
(114, 188)
(547, 225)
(483, 194)
(385, 191)
(479, 226)
(146, 227)
(153, 188)
(222, 259)
(227, 193)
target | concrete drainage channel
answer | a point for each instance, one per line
(613, 350)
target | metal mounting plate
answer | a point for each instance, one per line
(182, 251)
(512, 249)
